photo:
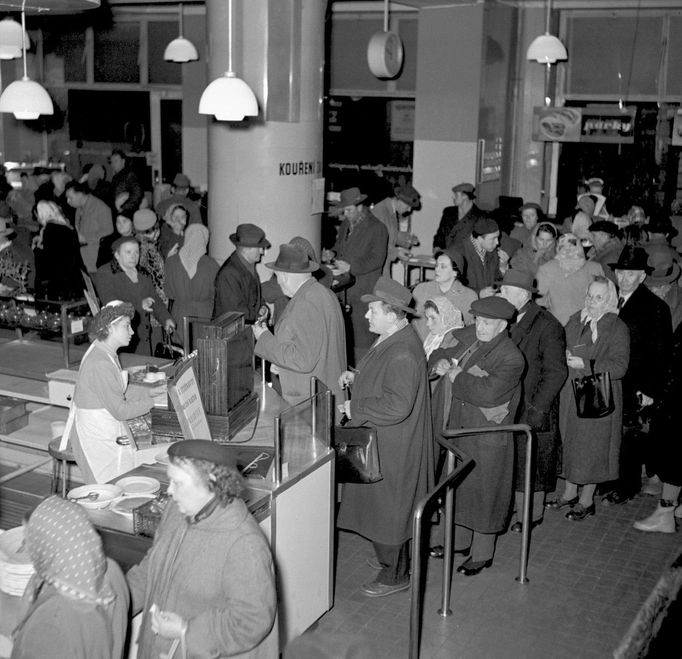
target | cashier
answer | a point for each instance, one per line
(101, 405)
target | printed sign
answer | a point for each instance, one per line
(184, 393)
(597, 123)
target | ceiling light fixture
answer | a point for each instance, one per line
(547, 49)
(25, 98)
(11, 34)
(180, 49)
(229, 98)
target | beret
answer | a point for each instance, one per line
(203, 449)
(485, 225)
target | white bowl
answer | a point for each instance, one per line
(107, 493)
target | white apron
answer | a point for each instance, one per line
(94, 439)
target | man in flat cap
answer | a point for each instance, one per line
(541, 339)
(485, 371)
(477, 258)
(390, 392)
(392, 211)
(360, 248)
(180, 190)
(237, 285)
(457, 221)
(309, 337)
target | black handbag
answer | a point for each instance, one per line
(593, 395)
(357, 454)
(166, 349)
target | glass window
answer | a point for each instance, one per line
(117, 52)
(160, 34)
(64, 53)
(674, 72)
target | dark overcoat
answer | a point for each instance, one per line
(483, 499)
(476, 273)
(391, 393)
(591, 447)
(364, 249)
(452, 231)
(237, 288)
(540, 337)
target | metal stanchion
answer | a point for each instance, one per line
(445, 609)
(527, 499)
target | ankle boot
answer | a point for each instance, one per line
(662, 520)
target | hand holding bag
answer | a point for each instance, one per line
(593, 394)
(357, 454)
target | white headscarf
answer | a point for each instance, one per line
(451, 318)
(570, 254)
(610, 305)
(194, 247)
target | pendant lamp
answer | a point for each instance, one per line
(547, 49)
(180, 49)
(11, 35)
(25, 98)
(229, 98)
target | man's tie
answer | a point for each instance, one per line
(621, 302)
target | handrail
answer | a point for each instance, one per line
(454, 474)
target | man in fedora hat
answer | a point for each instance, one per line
(649, 321)
(237, 285)
(390, 393)
(541, 339)
(17, 265)
(180, 190)
(360, 249)
(485, 370)
(457, 221)
(661, 232)
(309, 337)
(663, 281)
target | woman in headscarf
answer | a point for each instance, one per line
(123, 280)
(190, 277)
(441, 318)
(540, 249)
(78, 598)
(207, 585)
(596, 340)
(101, 404)
(57, 255)
(445, 283)
(173, 229)
(562, 282)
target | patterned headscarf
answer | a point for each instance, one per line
(193, 248)
(570, 254)
(610, 305)
(67, 552)
(451, 318)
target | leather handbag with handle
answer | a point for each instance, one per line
(593, 394)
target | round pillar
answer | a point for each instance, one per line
(262, 170)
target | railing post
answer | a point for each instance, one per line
(527, 499)
(445, 609)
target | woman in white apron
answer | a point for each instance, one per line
(100, 405)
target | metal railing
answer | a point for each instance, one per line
(455, 474)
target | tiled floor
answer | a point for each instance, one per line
(587, 581)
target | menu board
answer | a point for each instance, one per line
(183, 391)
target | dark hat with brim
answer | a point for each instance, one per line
(390, 291)
(520, 279)
(493, 307)
(203, 449)
(631, 258)
(468, 188)
(249, 235)
(408, 194)
(663, 269)
(661, 225)
(350, 197)
(605, 226)
(292, 259)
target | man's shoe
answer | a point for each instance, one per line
(516, 527)
(438, 551)
(615, 498)
(579, 512)
(559, 503)
(376, 589)
(662, 520)
(471, 568)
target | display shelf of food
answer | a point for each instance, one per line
(49, 319)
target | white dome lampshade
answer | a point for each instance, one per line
(11, 34)
(180, 50)
(546, 49)
(229, 98)
(26, 99)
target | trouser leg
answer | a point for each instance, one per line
(395, 561)
(483, 546)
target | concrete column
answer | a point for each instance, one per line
(262, 170)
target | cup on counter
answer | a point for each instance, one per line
(57, 428)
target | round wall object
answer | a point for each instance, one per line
(385, 54)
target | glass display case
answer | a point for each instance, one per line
(51, 320)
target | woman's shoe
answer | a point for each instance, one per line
(438, 551)
(662, 520)
(471, 568)
(579, 512)
(559, 503)
(516, 527)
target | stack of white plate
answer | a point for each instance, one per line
(15, 565)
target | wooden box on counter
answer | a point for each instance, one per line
(13, 414)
